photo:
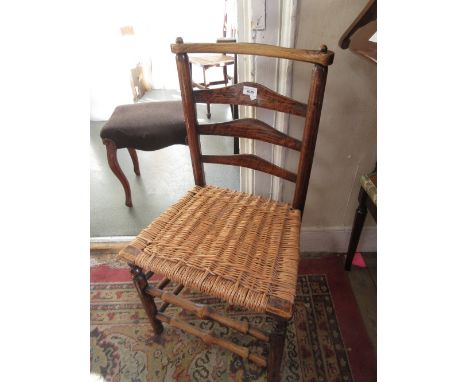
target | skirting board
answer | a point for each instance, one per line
(313, 239)
(335, 239)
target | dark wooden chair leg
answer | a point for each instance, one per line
(133, 155)
(277, 338)
(115, 167)
(140, 281)
(359, 218)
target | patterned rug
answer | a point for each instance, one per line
(123, 347)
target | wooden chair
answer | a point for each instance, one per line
(231, 245)
(216, 61)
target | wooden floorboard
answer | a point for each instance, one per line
(371, 261)
(107, 248)
(364, 284)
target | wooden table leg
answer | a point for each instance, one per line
(359, 219)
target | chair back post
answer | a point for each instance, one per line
(252, 128)
(309, 137)
(190, 115)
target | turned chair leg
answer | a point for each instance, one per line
(275, 356)
(140, 281)
(115, 167)
(359, 218)
(133, 155)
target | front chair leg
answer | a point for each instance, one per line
(277, 338)
(111, 149)
(151, 310)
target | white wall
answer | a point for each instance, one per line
(156, 25)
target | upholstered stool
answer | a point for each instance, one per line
(143, 126)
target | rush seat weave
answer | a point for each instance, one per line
(239, 247)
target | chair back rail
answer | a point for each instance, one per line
(252, 128)
(251, 161)
(266, 98)
(320, 57)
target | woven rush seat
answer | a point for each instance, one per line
(241, 248)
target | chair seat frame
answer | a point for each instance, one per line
(230, 95)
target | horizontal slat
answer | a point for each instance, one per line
(250, 128)
(266, 98)
(250, 161)
(204, 312)
(322, 57)
(210, 339)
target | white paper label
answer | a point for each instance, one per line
(250, 91)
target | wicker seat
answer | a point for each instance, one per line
(235, 246)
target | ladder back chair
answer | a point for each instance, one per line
(241, 248)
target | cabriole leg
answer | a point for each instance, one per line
(115, 167)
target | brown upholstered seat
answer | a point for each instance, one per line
(146, 126)
(143, 126)
(236, 246)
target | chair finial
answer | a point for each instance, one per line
(179, 40)
(323, 48)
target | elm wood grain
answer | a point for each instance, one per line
(134, 156)
(266, 98)
(140, 282)
(250, 128)
(205, 312)
(309, 137)
(111, 150)
(186, 90)
(313, 56)
(275, 356)
(210, 339)
(251, 161)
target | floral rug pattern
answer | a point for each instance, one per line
(123, 347)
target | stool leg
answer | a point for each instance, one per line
(359, 219)
(140, 282)
(277, 338)
(133, 155)
(115, 167)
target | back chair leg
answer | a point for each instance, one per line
(133, 155)
(359, 218)
(141, 283)
(115, 167)
(277, 338)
